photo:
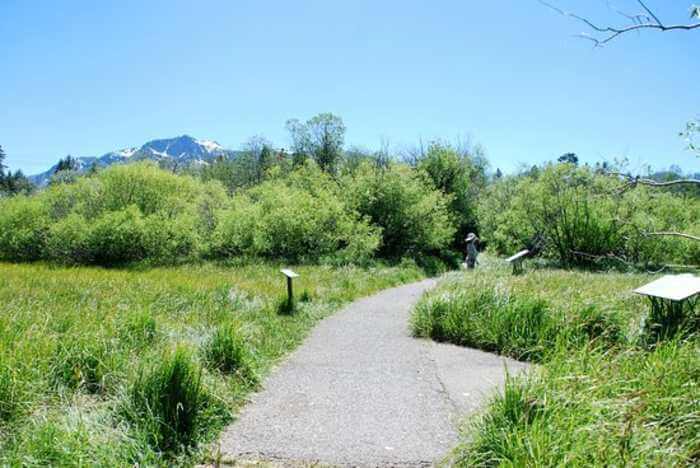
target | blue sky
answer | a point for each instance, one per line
(86, 77)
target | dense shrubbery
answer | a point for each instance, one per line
(584, 217)
(135, 212)
(300, 217)
(413, 216)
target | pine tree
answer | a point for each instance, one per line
(2, 163)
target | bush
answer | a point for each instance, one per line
(69, 240)
(413, 216)
(227, 352)
(459, 175)
(167, 239)
(586, 219)
(300, 218)
(23, 228)
(147, 187)
(169, 402)
(118, 237)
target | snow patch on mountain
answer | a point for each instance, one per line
(183, 151)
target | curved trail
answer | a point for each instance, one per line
(360, 391)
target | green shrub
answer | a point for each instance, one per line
(227, 352)
(299, 218)
(167, 239)
(147, 187)
(169, 403)
(460, 175)
(23, 227)
(413, 216)
(69, 240)
(587, 219)
(118, 237)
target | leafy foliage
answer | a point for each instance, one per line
(460, 175)
(586, 217)
(413, 216)
(321, 138)
(299, 218)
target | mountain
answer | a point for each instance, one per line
(182, 151)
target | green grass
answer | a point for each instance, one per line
(587, 407)
(601, 396)
(143, 365)
(527, 316)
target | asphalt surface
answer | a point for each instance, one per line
(361, 391)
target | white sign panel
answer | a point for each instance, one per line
(673, 287)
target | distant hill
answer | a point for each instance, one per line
(183, 151)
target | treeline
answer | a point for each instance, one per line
(318, 201)
(583, 216)
(297, 212)
(12, 183)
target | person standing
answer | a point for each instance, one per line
(472, 251)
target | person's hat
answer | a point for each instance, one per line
(470, 237)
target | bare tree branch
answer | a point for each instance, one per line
(640, 22)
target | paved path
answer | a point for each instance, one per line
(360, 391)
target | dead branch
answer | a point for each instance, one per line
(633, 181)
(644, 21)
(674, 234)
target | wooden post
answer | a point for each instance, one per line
(290, 290)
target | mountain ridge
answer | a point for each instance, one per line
(183, 150)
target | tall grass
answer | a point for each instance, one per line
(227, 352)
(594, 408)
(494, 312)
(598, 399)
(169, 403)
(88, 375)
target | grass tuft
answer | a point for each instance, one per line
(170, 403)
(227, 351)
(81, 364)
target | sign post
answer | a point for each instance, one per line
(669, 296)
(290, 290)
(517, 261)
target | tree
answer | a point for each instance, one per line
(321, 138)
(499, 174)
(67, 164)
(570, 158)
(2, 163)
(643, 20)
(691, 131)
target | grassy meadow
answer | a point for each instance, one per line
(140, 365)
(600, 396)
